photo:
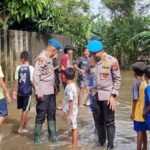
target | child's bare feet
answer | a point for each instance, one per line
(71, 146)
(59, 107)
(22, 131)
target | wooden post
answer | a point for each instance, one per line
(5, 54)
(16, 51)
(11, 50)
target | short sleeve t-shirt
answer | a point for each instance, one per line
(65, 62)
(83, 63)
(1, 90)
(24, 75)
(136, 87)
(147, 99)
(31, 72)
(71, 94)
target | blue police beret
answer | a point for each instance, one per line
(94, 46)
(55, 43)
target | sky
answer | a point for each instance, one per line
(95, 4)
(98, 7)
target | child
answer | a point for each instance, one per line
(82, 66)
(3, 104)
(146, 113)
(22, 90)
(65, 63)
(138, 105)
(71, 104)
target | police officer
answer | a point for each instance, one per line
(44, 80)
(107, 80)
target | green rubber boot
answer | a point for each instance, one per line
(37, 133)
(52, 131)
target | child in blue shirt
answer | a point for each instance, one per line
(146, 113)
(23, 88)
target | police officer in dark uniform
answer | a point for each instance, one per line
(107, 80)
(44, 82)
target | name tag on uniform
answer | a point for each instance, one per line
(105, 69)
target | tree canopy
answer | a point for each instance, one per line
(17, 10)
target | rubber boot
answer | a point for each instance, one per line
(101, 135)
(37, 133)
(52, 131)
(111, 137)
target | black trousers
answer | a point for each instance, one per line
(104, 119)
(46, 108)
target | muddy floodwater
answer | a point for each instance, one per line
(125, 136)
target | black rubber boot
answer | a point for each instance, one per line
(111, 137)
(101, 135)
(52, 131)
(37, 133)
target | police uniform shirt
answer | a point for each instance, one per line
(107, 78)
(44, 76)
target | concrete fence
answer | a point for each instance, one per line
(12, 42)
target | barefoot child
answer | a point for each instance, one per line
(71, 104)
(138, 105)
(22, 90)
(3, 93)
(82, 66)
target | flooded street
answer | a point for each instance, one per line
(125, 136)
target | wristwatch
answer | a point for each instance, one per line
(114, 95)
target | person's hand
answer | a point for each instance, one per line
(112, 103)
(40, 96)
(132, 116)
(62, 68)
(89, 90)
(8, 97)
(82, 71)
(57, 90)
(14, 95)
(68, 117)
(144, 114)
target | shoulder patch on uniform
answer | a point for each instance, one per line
(40, 61)
(115, 66)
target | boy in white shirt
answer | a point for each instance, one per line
(71, 104)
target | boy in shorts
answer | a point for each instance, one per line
(3, 93)
(71, 104)
(83, 68)
(22, 90)
(138, 105)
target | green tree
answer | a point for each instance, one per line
(125, 24)
(69, 17)
(16, 10)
